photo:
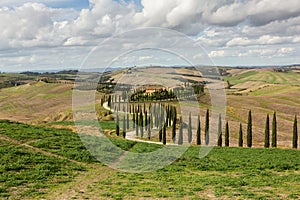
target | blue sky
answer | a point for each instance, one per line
(237, 33)
(77, 4)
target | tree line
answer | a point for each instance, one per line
(163, 116)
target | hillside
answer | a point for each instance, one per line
(264, 91)
(39, 163)
(261, 90)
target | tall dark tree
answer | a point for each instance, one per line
(133, 120)
(160, 131)
(149, 129)
(141, 124)
(241, 136)
(190, 133)
(180, 137)
(164, 138)
(267, 132)
(249, 130)
(124, 127)
(174, 128)
(227, 135)
(167, 115)
(137, 124)
(117, 125)
(198, 131)
(220, 131)
(109, 101)
(207, 127)
(146, 119)
(274, 131)
(127, 121)
(295, 134)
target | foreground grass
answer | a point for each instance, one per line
(235, 173)
(25, 173)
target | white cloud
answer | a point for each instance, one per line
(237, 25)
(214, 54)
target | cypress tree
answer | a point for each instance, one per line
(167, 116)
(227, 135)
(174, 128)
(241, 136)
(146, 119)
(127, 121)
(198, 131)
(220, 131)
(124, 127)
(295, 134)
(117, 126)
(180, 137)
(207, 128)
(160, 134)
(274, 131)
(141, 124)
(109, 101)
(151, 120)
(164, 139)
(137, 124)
(249, 130)
(171, 113)
(133, 119)
(190, 134)
(267, 132)
(149, 130)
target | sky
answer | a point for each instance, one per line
(61, 34)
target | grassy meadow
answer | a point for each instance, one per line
(54, 164)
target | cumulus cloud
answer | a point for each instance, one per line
(234, 24)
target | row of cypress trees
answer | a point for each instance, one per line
(146, 122)
(249, 132)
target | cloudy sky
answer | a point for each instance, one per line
(59, 34)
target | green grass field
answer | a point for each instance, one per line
(55, 161)
(288, 78)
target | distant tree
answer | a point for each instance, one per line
(109, 101)
(267, 132)
(180, 137)
(149, 129)
(249, 130)
(167, 116)
(198, 131)
(117, 126)
(146, 119)
(190, 134)
(207, 127)
(151, 120)
(137, 124)
(164, 138)
(295, 134)
(127, 120)
(160, 132)
(174, 128)
(220, 131)
(124, 127)
(141, 124)
(274, 131)
(241, 136)
(133, 119)
(227, 135)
